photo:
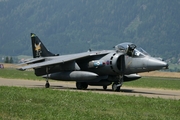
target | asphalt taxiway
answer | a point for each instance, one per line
(60, 85)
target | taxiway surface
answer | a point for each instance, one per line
(133, 91)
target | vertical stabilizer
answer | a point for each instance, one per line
(38, 49)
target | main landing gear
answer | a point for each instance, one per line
(105, 87)
(81, 85)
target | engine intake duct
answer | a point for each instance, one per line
(96, 64)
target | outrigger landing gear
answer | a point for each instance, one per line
(116, 86)
(47, 85)
(105, 87)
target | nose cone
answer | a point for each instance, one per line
(156, 64)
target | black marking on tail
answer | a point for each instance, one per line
(38, 49)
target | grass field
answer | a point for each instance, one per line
(35, 103)
(16, 74)
(28, 103)
(161, 74)
(155, 82)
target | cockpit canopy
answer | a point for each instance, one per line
(131, 49)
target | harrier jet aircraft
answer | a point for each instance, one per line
(98, 68)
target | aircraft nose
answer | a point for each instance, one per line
(156, 64)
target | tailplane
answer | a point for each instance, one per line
(38, 49)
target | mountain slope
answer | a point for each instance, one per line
(74, 26)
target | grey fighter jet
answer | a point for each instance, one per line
(98, 68)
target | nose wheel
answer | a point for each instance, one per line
(117, 85)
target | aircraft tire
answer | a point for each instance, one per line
(105, 87)
(47, 85)
(81, 85)
(115, 87)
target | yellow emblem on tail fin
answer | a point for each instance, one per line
(38, 49)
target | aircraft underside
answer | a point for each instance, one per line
(104, 81)
(115, 86)
(84, 85)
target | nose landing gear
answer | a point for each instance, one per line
(117, 85)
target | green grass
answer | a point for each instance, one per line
(155, 82)
(16, 74)
(29, 103)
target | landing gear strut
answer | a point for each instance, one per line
(47, 85)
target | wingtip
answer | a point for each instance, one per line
(21, 69)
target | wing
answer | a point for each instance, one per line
(62, 59)
(33, 60)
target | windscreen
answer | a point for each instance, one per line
(136, 52)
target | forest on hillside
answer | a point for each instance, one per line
(71, 26)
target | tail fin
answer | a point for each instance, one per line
(38, 49)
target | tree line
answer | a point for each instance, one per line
(8, 60)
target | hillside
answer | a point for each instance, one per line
(70, 26)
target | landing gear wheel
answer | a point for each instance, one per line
(81, 85)
(78, 85)
(47, 85)
(115, 87)
(105, 87)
